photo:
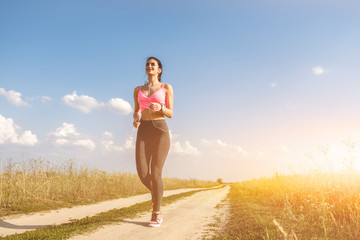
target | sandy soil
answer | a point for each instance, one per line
(186, 219)
(22, 223)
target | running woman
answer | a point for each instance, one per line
(153, 102)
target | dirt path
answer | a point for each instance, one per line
(185, 219)
(22, 223)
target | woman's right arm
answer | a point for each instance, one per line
(136, 114)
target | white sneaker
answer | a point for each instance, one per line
(156, 220)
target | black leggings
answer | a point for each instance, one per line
(152, 147)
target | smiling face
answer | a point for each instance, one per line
(152, 67)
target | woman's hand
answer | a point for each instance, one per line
(136, 122)
(155, 106)
(137, 111)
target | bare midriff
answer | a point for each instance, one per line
(148, 115)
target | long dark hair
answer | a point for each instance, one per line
(159, 64)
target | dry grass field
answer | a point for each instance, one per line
(35, 185)
(308, 206)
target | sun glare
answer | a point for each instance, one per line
(340, 158)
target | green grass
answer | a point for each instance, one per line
(80, 226)
(36, 185)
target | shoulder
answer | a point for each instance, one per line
(168, 87)
(136, 90)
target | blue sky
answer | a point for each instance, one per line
(259, 85)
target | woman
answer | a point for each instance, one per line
(154, 102)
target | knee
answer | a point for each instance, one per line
(156, 176)
(143, 176)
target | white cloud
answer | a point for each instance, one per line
(8, 133)
(67, 135)
(66, 130)
(45, 99)
(119, 105)
(108, 134)
(61, 141)
(87, 143)
(172, 136)
(219, 143)
(223, 149)
(129, 143)
(318, 70)
(13, 97)
(109, 145)
(273, 84)
(184, 149)
(86, 104)
(27, 138)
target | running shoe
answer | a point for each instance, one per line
(156, 220)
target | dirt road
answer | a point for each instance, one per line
(22, 223)
(185, 219)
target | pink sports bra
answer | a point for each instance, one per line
(157, 97)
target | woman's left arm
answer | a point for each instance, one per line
(168, 109)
